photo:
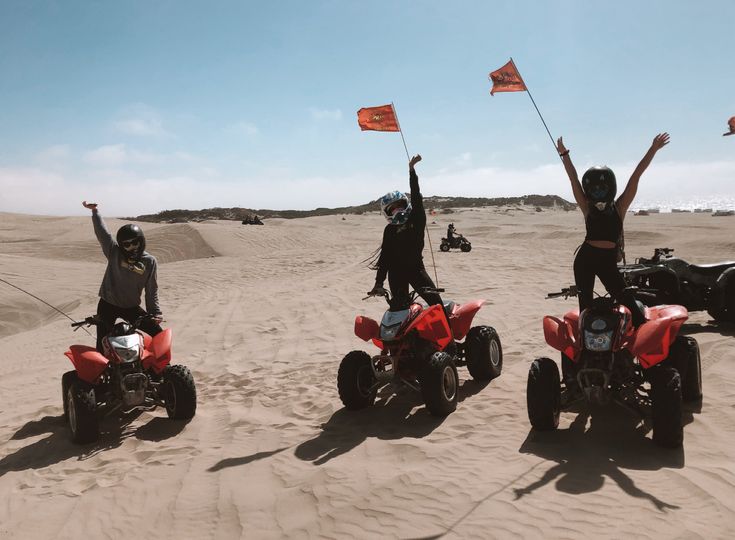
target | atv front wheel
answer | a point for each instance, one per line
(444, 247)
(81, 410)
(543, 394)
(666, 401)
(180, 393)
(356, 382)
(684, 356)
(484, 353)
(466, 246)
(440, 384)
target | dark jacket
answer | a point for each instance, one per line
(402, 244)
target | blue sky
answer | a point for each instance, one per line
(151, 105)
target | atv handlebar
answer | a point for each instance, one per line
(94, 320)
(411, 296)
(566, 292)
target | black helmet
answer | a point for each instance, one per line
(126, 239)
(599, 185)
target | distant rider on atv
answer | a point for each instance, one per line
(450, 233)
(130, 269)
(603, 216)
(401, 256)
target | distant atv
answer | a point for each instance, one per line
(134, 372)
(665, 279)
(418, 348)
(457, 242)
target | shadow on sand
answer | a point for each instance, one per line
(585, 457)
(57, 446)
(726, 329)
(390, 418)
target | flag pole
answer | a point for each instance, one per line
(400, 130)
(534, 105)
(426, 226)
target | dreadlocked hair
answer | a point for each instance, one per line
(373, 258)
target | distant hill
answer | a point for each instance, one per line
(437, 203)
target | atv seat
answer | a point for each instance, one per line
(711, 269)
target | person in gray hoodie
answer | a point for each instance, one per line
(130, 270)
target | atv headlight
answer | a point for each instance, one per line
(598, 342)
(128, 354)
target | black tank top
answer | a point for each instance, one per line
(603, 225)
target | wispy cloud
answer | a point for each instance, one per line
(140, 120)
(242, 128)
(325, 114)
(118, 155)
(55, 152)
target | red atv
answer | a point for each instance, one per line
(133, 372)
(650, 369)
(419, 348)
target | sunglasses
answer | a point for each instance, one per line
(131, 243)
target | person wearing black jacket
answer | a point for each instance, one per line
(401, 258)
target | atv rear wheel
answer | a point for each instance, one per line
(543, 394)
(722, 302)
(444, 247)
(484, 353)
(666, 401)
(440, 384)
(356, 382)
(685, 358)
(81, 408)
(179, 392)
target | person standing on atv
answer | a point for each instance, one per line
(603, 216)
(130, 269)
(450, 233)
(401, 258)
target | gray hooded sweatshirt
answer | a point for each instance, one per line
(125, 279)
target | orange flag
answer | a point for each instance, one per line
(731, 124)
(507, 79)
(381, 118)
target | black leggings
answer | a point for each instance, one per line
(601, 262)
(418, 279)
(109, 313)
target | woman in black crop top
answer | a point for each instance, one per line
(603, 217)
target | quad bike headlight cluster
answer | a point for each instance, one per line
(127, 348)
(597, 337)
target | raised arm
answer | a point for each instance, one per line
(100, 230)
(626, 199)
(573, 178)
(417, 201)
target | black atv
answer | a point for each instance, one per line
(457, 241)
(665, 279)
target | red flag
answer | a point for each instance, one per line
(381, 118)
(507, 79)
(731, 124)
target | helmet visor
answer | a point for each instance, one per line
(395, 207)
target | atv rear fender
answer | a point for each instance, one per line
(431, 325)
(87, 361)
(461, 318)
(556, 333)
(653, 339)
(159, 351)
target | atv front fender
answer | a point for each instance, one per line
(653, 339)
(159, 351)
(556, 333)
(462, 318)
(87, 361)
(366, 328)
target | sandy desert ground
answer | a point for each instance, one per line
(263, 315)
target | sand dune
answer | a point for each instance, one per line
(263, 315)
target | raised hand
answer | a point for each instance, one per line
(659, 141)
(414, 160)
(91, 206)
(560, 146)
